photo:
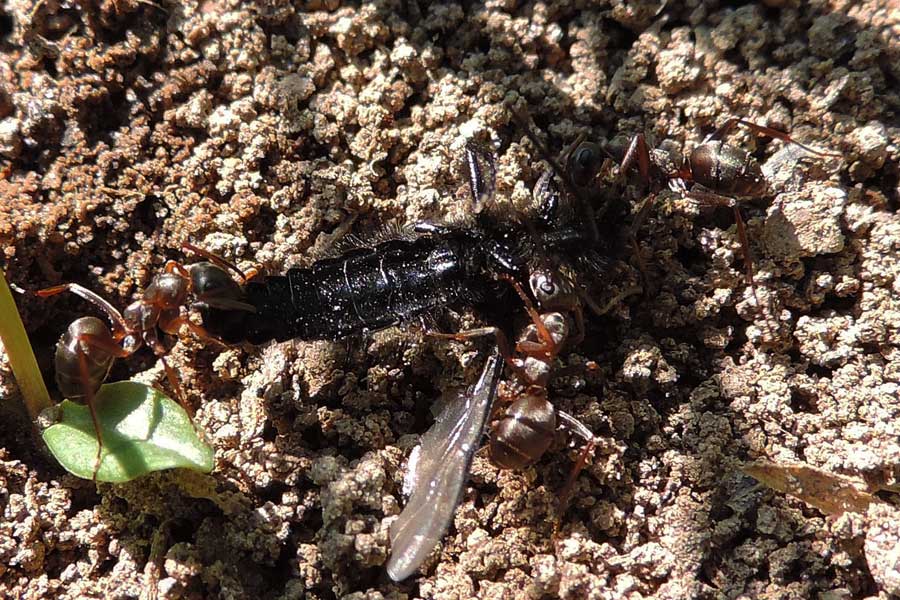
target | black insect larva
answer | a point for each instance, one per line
(368, 289)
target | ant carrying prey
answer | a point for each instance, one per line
(520, 435)
(86, 351)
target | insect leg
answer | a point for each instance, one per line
(503, 345)
(88, 387)
(115, 317)
(733, 122)
(718, 200)
(176, 388)
(638, 153)
(173, 325)
(714, 199)
(590, 444)
(602, 310)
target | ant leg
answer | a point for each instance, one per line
(578, 428)
(602, 310)
(176, 388)
(731, 123)
(638, 152)
(574, 370)
(173, 325)
(714, 199)
(105, 344)
(642, 214)
(719, 200)
(93, 411)
(84, 373)
(502, 342)
(636, 225)
(115, 317)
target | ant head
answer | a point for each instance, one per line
(168, 290)
(551, 288)
(585, 162)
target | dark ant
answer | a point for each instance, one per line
(86, 351)
(714, 173)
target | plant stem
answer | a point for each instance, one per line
(21, 357)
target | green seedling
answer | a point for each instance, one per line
(142, 431)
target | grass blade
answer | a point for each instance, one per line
(21, 357)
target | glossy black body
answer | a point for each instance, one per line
(371, 288)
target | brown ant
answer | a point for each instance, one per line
(520, 435)
(86, 351)
(714, 173)
(528, 427)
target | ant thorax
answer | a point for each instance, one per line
(557, 325)
(535, 370)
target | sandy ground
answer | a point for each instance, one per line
(263, 131)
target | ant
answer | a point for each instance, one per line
(520, 435)
(714, 173)
(86, 351)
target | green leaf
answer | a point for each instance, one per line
(142, 430)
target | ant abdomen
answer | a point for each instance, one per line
(84, 367)
(727, 170)
(525, 431)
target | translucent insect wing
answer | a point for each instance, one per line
(437, 475)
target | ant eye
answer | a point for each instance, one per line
(584, 158)
(544, 288)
